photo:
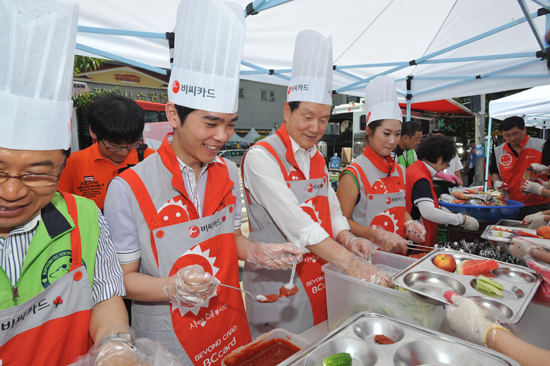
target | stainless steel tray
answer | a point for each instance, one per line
(414, 345)
(489, 233)
(427, 282)
(512, 223)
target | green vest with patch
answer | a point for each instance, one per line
(409, 161)
(49, 258)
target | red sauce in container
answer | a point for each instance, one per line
(283, 291)
(269, 353)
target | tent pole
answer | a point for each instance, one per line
(487, 160)
(409, 97)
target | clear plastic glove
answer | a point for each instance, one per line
(389, 242)
(501, 187)
(359, 268)
(415, 231)
(539, 168)
(192, 286)
(449, 178)
(519, 248)
(273, 256)
(470, 223)
(470, 320)
(542, 297)
(543, 183)
(361, 247)
(531, 187)
(115, 353)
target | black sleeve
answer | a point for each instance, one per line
(546, 153)
(493, 167)
(422, 189)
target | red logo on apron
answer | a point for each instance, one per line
(194, 232)
(388, 200)
(223, 218)
(176, 86)
(310, 187)
(385, 220)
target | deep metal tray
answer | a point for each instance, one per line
(427, 282)
(414, 345)
(512, 223)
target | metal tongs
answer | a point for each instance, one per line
(422, 248)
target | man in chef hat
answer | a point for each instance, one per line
(289, 197)
(63, 283)
(178, 213)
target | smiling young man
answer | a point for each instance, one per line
(289, 198)
(116, 124)
(176, 217)
(509, 162)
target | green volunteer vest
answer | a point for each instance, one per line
(409, 161)
(50, 258)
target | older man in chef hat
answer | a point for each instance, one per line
(178, 213)
(289, 197)
(62, 283)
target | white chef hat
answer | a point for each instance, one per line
(311, 79)
(209, 41)
(381, 100)
(37, 39)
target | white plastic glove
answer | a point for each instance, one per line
(519, 248)
(389, 242)
(470, 223)
(543, 183)
(415, 231)
(501, 187)
(529, 218)
(531, 187)
(359, 268)
(192, 286)
(361, 247)
(273, 256)
(537, 222)
(539, 168)
(470, 320)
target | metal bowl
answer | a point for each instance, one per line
(502, 311)
(513, 294)
(367, 329)
(435, 353)
(514, 275)
(430, 286)
(362, 353)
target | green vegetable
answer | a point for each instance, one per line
(339, 359)
(487, 287)
(490, 282)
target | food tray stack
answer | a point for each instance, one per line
(413, 345)
(427, 282)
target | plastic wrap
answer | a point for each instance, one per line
(273, 256)
(361, 247)
(387, 241)
(415, 231)
(364, 270)
(192, 286)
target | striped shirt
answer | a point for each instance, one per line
(108, 279)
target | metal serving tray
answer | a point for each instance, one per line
(489, 233)
(512, 223)
(414, 345)
(428, 283)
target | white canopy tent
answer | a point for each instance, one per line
(435, 49)
(251, 135)
(533, 105)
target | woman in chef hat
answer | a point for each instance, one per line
(177, 214)
(372, 188)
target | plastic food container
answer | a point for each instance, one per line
(347, 296)
(277, 333)
(486, 213)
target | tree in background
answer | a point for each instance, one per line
(85, 63)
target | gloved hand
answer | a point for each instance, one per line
(501, 187)
(116, 353)
(273, 256)
(469, 320)
(529, 218)
(519, 248)
(359, 268)
(470, 223)
(531, 187)
(543, 183)
(192, 286)
(415, 231)
(361, 247)
(389, 242)
(542, 297)
(449, 178)
(539, 168)
(538, 221)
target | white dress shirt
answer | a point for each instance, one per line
(266, 185)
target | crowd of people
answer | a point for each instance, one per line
(79, 232)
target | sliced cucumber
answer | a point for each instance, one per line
(488, 288)
(339, 359)
(490, 282)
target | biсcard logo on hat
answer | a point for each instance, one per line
(176, 86)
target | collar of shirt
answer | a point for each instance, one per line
(433, 172)
(204, 167)
(302, 156)
(96, 155)
(508, 147)
(297, 150)
(399, 151)
(29, 226)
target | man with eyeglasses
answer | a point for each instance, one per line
(510, 160)
(116, 123)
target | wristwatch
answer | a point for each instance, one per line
(123, 338)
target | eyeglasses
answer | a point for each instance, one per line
(514, 134)
(32, 180)
(118, 148)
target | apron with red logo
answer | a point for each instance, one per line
(308, 307)
(416, 172)
(178, 237)
(382, 202)
(42, 331)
